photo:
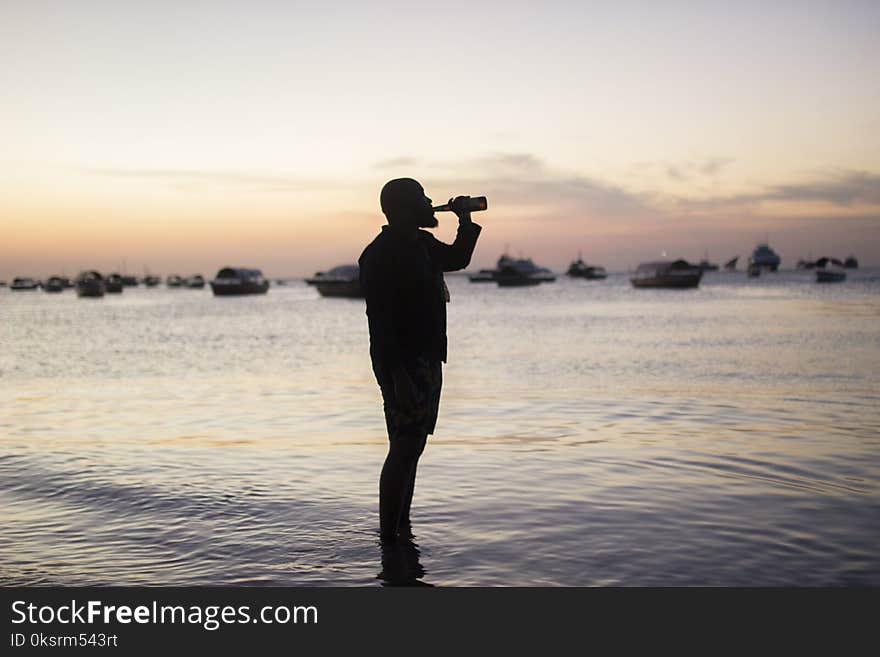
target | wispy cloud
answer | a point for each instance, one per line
(530, 189)
(523, 180)
(396, 163)
(511, 162)
(675, 173)
(704, 168)
(844, 189)
(714, 165)
(189, 179)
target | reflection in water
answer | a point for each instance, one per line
(591, 434)
(400, 563)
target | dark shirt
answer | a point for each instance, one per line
(402, 280)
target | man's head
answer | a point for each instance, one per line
(404, 203)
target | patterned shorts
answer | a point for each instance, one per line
(427, 376)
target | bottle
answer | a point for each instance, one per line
(474, 204)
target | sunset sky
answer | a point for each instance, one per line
(184, 136)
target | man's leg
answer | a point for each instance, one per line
(395, 483)
(431, 379)
(392, 489)
(405, 524)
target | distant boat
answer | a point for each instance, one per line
(341, 281)
(113, 284)
(483, 276)
(806, 264)
(667, 274)
(20, 283)
(765, 258)
(521, 272)
(580, 269)
(730, 265)
(235, 281)
(511, 272)
(89, 284)
(151, 281)
(54, 284)
(129, 281)
(851, 263)
(490, 275)
(830, 270)
(705, 265)
(195, 282)
(510, 277)
(174, 281)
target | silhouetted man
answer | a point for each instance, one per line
(401, 274)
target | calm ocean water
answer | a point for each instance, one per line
(589, 434)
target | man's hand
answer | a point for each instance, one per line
(459, 206)
(404, 389)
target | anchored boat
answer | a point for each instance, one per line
(341, 281)
(667, 274)
(236, 281)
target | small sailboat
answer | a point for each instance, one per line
(705, 265)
